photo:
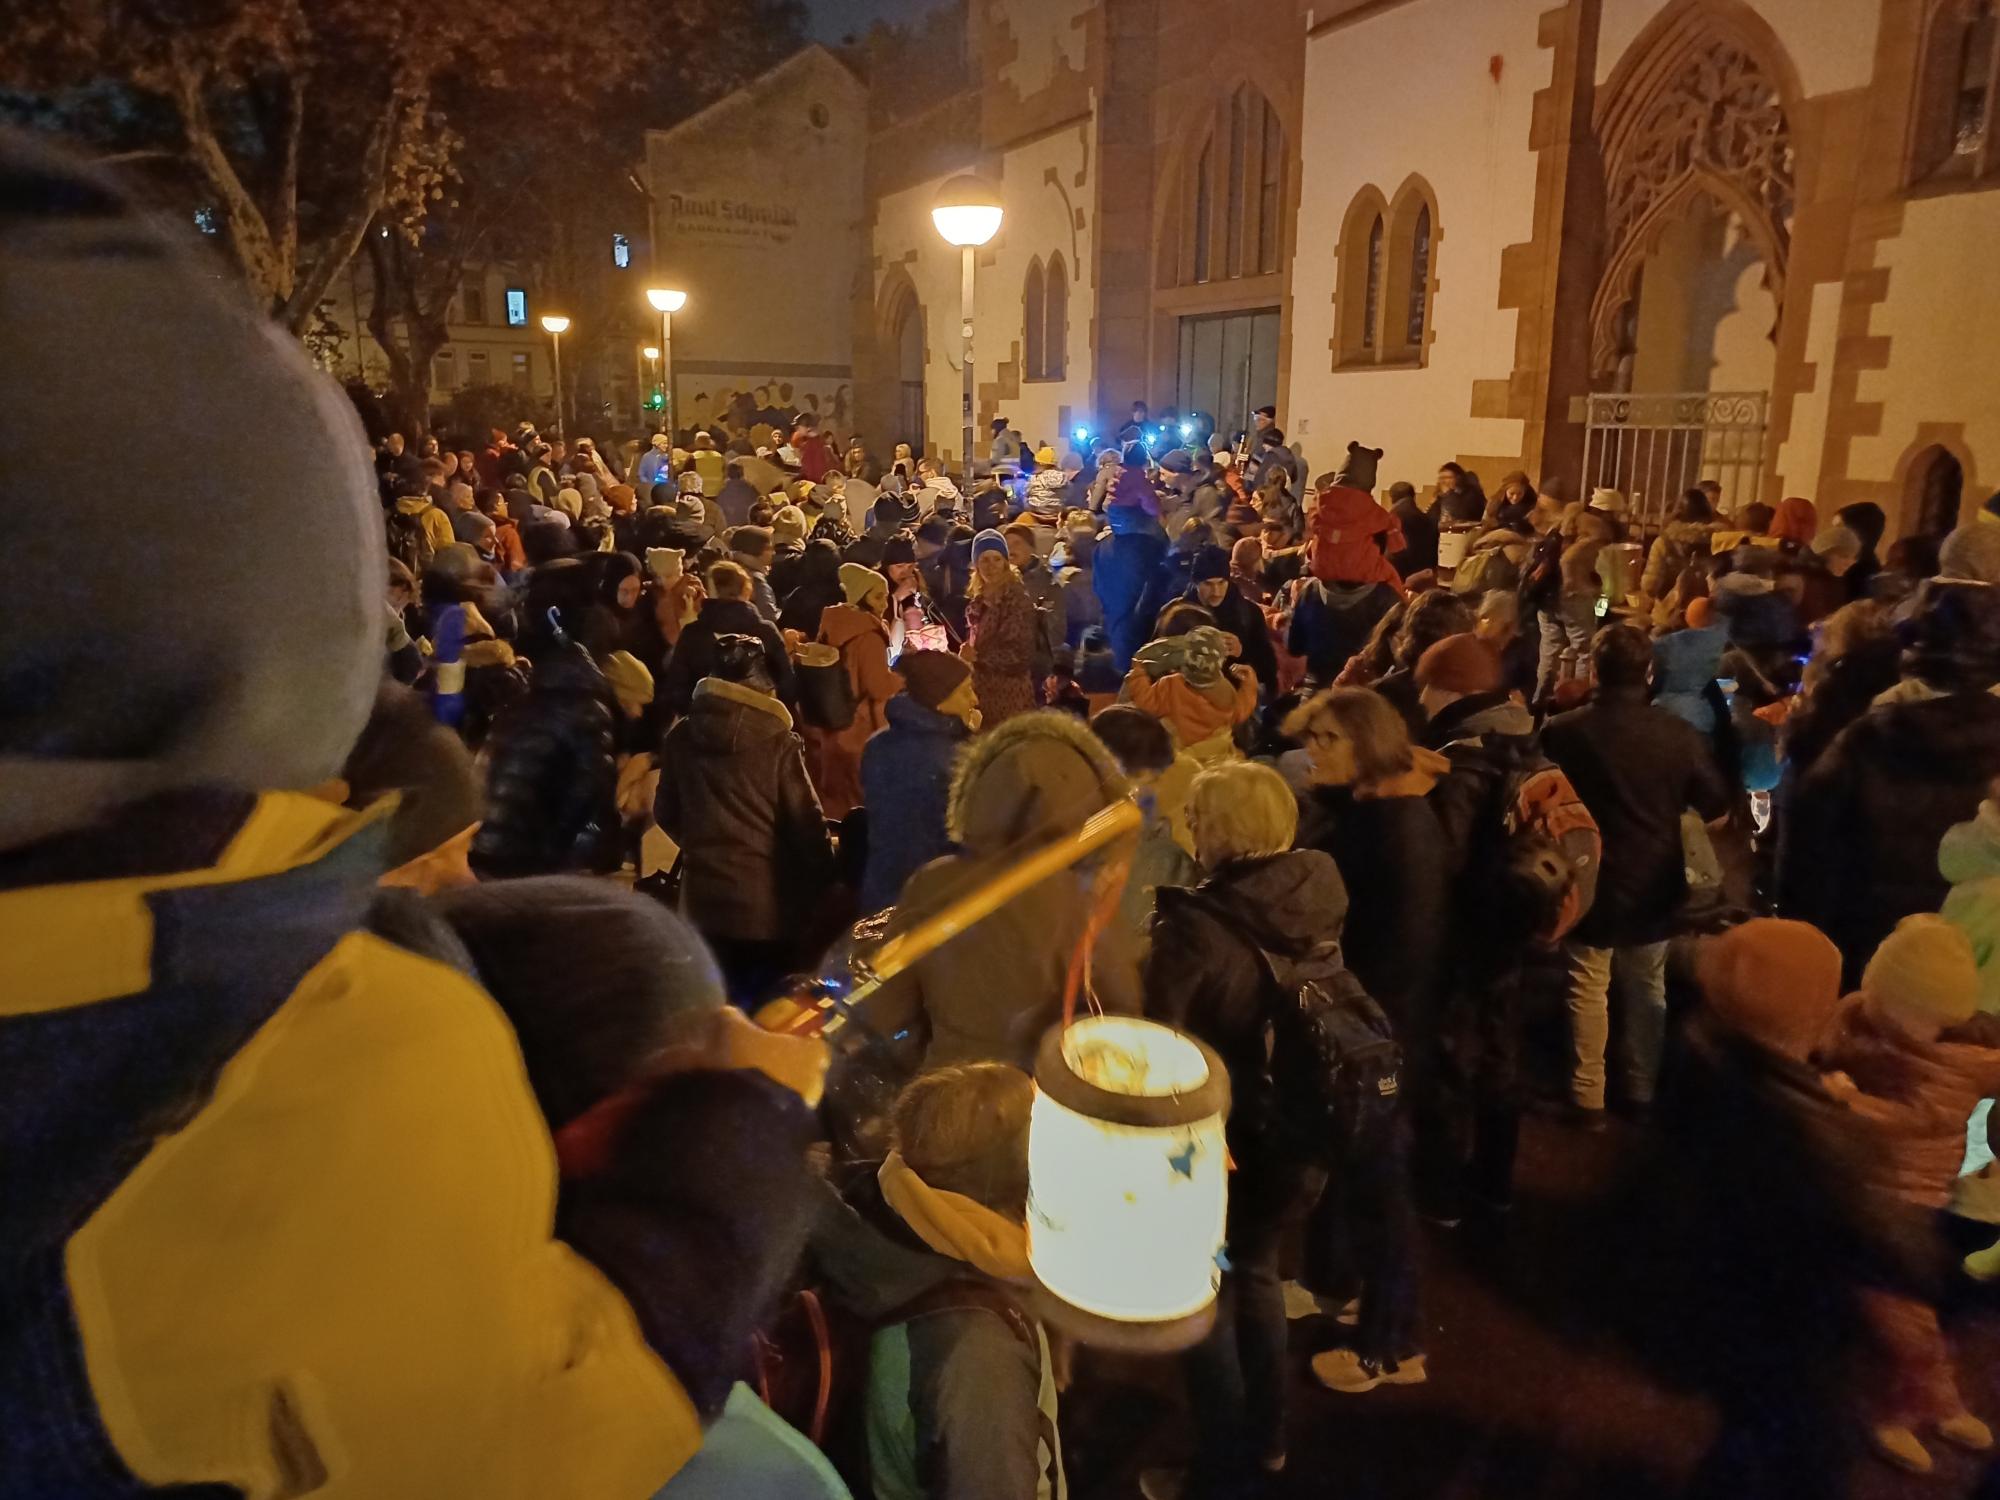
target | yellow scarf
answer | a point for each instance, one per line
(955, 1225)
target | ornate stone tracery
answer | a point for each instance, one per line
(1715, 124)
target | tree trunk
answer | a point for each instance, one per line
(410, 319)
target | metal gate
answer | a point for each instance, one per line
(1655, 448)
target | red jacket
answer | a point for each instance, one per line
(1344, 547)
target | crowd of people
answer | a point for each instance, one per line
(329, 911)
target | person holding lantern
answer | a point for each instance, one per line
(932, 1250)
(1210, 973)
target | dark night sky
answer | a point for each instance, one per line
(834, 19)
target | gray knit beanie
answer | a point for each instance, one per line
(217, 616)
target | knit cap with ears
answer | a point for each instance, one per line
(665, 563)
(1924, 974)
(1357, 472)
(932, 676)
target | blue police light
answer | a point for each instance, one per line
(1083, 434)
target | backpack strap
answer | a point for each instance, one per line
(966, 1294)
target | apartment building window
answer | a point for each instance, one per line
(478, 369)
(472, 302)
(517, 307)
(523, 373)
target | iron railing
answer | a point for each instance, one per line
(1654, 448)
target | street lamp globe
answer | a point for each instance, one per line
(666, 300)
(651, 351)
(967, 211)
(555, 323)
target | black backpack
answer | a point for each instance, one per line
(1335, 1063)
(409, 543)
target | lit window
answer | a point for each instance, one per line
(204, 220)
(517, 307)
(621, 251)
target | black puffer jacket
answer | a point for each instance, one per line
(552, 781)
(1391, 859)
(1860, 850)
(734, 795)
(693, 655)
(1637, 768)
(1204, 975)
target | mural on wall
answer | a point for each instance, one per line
(743, 404)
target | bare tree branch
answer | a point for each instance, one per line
(249, 231)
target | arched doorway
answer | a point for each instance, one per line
(1933, 493)
(1694, 132)
(897, 363)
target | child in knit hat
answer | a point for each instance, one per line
(1914, 1058)
(1187, 684)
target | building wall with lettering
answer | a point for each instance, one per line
(757, 214)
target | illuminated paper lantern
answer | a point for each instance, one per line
(1128, 1180)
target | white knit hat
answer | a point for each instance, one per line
(1611, 502)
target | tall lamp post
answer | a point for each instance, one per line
(967, 214)
(652, 357)
(666, 302)
(557, 325)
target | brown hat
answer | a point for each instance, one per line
(932, 676)
(1460, 664)
(1775, 981)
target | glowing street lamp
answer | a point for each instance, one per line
(666, 302)
(557, 325)
(967, 214)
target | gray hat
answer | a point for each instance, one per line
(193, 624)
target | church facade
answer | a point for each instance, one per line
(1628, 242)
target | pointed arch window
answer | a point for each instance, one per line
(1371, 303)
(1233, 224)
(1419, 298)
(1387, 279)
(1055, 340)
(1204, 210)
(1953, 136)
(1034, 314)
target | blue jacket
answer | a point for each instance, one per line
(905, 784)
(1685, 663)
(1122, 569)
